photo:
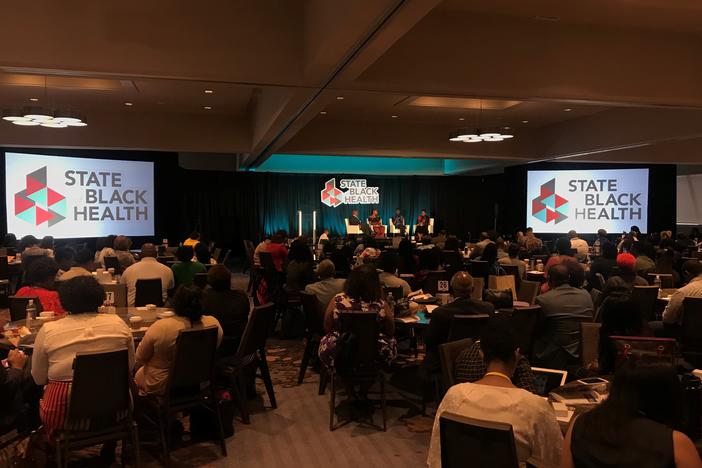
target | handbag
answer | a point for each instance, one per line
(500, 298)
(503, 282)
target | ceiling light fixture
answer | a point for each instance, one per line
(323, 113)
(394, 116)
(567, 109)
(340, 98)
(525, 121)
(461, 119)
(35, 116)
(33, 99)
(479, 134)
(209, 91)
(208, 107)
(128, 104)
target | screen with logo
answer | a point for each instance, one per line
(78, 197)
(587, 200)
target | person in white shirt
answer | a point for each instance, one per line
(327, 287)
(83, 264)
(82, 331)
(388, 264)
(674, 310)
(323, 238)
(580, 245)
(147, 268)
(262, 247)
(494, 398)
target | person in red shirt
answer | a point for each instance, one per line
(40, 278)
(278, 250)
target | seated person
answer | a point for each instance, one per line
(422, 227)
(327, 287)
(121, 247)
(65, 259)
(278, 251)
(192, 240)
(203, 255)
(633, 427)
(40, 279)
(83, 265)
(620, 317)
(470, 367)
(83, 330)
(563, 307)
(399, 222)
(104, 249)
(230, 307)
(604, 264)
(429, 260)
(495, 398)
(29, 245)
(184, 270)
(18, 394)
(644, 253)
(376, 223)
(480, 245)
(666, 259)
(387, 262)
(299, 271)
(155, 353)
(564, 254)
(147, 268)
(626, 279)
(581, 246)
(513, 259)
(408, 260)
(440, 322)
(323, 239)
(362, 293)
(354, 220)
(692, 270)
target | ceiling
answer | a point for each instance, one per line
(592, 80)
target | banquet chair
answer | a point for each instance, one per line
(527, 291)
(350, 229)
(600, 281)
(596, 296)
(148, 291)
(484, 443)
(252, 352)
(666, 279)
(216, 253)
(314, 330)
(362, 366)
(478, 268)
(166, 259)
(18, 306)
(431, 283)
(191, 384)
(392, 230)
(589, 341)
(92, 420)
(448, 353)
(524, 322)
(691, 331)
(467, 326)
(430, 227)
(112, 262)
(200, 280)
(646, 298)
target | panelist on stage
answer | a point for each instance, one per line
(422, 224)
(354, 220)
(376, 223)
(399, 222)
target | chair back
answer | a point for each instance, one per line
(596, 296)
(448, 353)
(266, 260)
(431, 283)
(4, 268)
(193, 365)
(118, 293)
(200, 280)
(666, 279)
(589, 341)
(216, 253)
(478, 287)
(527, 291)
(312, 309)
(524, 322)
(18, 307)
(257, 329)
(227, 254)
(478, 268)
(646, 298)
(112, 262)
(691, 330)
(148, 291)
(396, 292)
(467, 326)
(482, 443)
(600, 281)
(165, 259)
(100, 392)
(452, 259)
(364, 327)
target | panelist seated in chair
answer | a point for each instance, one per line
(155, 353)
(422, 224)
(354, 220)
(440, 322)
(495, 398)
(399, 222)
(376, 223)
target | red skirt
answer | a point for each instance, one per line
(378, 229)
(53, 406)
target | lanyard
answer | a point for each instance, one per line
(499, 374)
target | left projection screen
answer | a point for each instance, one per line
(69, 197)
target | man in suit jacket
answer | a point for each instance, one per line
(440, 323)
(354, 220)
(563, 307)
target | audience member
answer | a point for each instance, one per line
(564, 254)
(440, 323)
(261, 247)
(121, 247)
(489, 255)
(192, 240)
(29, 245)
(582, 249)
(692, 270)
(644, 253)
(185, 269)
(40, 279)
(626, 279)
(388, 264)
(604, 265)
(203, 255)
(600, 241)
(65, 259)
(299, 271)
(563, 307)
(513, 259)
(82, 267)
(495, 398)
(531, 242)
(9, 241)
(429, 260)
(147, 268)
(327, 287)
(84, 330)
(278, 251)
(104, 249)
(362, 293)
(408, 260)
(155, 354)
(633, 427)
(470, 367)
(620, 317)
(47, 243)
(480, 245)
(665, 261)
(230, 307)
(18, 394)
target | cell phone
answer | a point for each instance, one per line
(592, 381)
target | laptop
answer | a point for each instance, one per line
(547, 380)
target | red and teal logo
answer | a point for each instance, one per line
(548, 206)
(37, 203)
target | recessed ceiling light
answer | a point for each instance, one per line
(33, 99)
(340, 98)
(208, 107)
(394, 116)
(129, 104)
(461, 118)
(525, 121)
(506, 128)
(323, 113)
(567, 109)
(208, 91)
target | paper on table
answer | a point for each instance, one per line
(431, 307)
(408, 319)
(141, 308)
